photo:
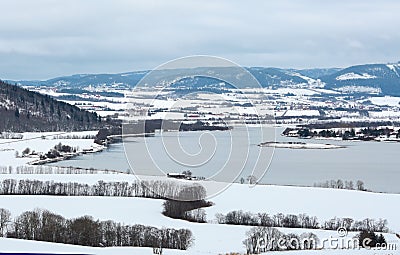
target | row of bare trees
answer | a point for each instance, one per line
(44, 169)
(264, 239)
(374, 225)
(138, 188)
(43, 225)
(300, 221)
(266, 220)
(340, 184)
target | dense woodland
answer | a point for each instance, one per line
(22, 110)
(43, 225)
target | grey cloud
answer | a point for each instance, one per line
(44, 38)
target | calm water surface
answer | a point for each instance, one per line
(226, 156)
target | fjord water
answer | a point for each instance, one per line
(231, 155)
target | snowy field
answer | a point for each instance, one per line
(210, 238)
(386, 100)
(40, 142)
(9, 245)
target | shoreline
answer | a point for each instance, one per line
(67, 156)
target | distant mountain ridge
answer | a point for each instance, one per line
(384, 78)
(369, 78)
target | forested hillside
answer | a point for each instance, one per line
(22, 110)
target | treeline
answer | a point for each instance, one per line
(368, 133)
(368, 240)
(184, 201)
(340, 184)
(10, 135)
(188, 204)
(74, 136)
(355, 124)
(42, 169)
(148, 189)
(300, 221)
(57, 151)
(264, 239)
(43, 225)
(370, 225)
(266, 220)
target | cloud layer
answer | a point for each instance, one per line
(47, 38)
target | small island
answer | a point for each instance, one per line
(300, 145)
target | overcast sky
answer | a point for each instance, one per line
(42, 39)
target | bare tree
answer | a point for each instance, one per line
(360, 185)
(251, 179)
(262, 239)
(5, 219)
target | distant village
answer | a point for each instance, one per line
(383, 133)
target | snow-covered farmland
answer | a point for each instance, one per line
(386, 100)
(355, 76)
(210, 238)
(41, 142)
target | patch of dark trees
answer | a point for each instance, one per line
(201, 126)
(186, 210)
(112, 133)
(368, 240)
(57, 151)
(188, 204)
(149, 126)
(300, 221)
(104, 134)
(43, 225)
(279, 119)
(146, 127)
(79, 91)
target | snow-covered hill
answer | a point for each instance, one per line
(210, 238)
(383, 78)
(371, 78)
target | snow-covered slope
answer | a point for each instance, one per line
(383, 78)
(354, 76)
(212, 238)
(14, 245)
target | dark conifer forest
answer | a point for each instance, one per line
(22, 110)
